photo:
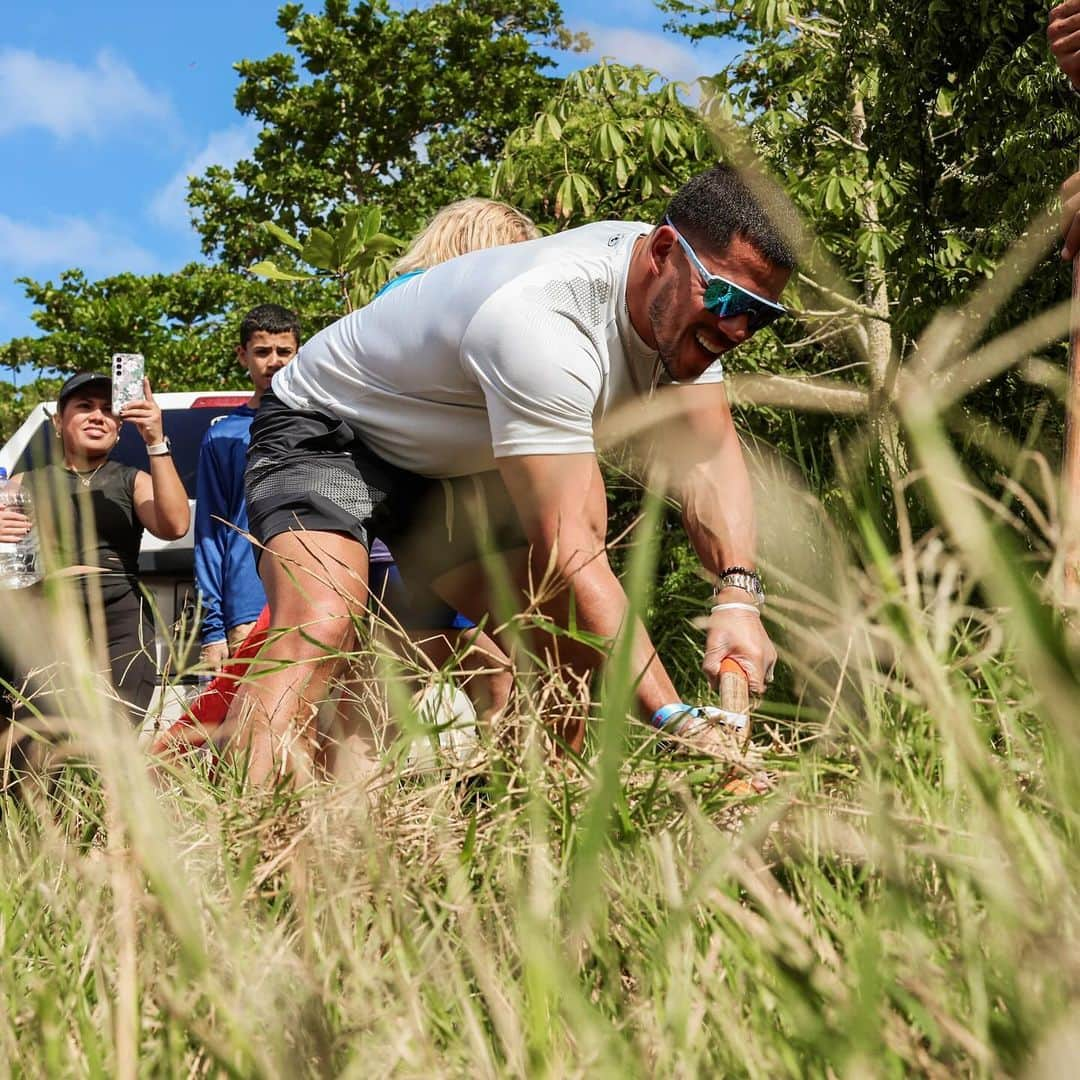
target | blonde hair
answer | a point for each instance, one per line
(465, 225)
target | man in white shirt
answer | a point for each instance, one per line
(466, 399)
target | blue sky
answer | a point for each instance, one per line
(106, 107)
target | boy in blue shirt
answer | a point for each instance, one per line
(229, 587)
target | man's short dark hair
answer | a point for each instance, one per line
(717, 205)
(271, 319)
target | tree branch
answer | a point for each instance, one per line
(852, 306)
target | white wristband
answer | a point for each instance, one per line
(736, 606)
(159, 449)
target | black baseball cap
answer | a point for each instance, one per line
(81, 381)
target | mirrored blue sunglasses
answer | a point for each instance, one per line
(725, 299)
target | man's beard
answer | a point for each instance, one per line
(658, 311)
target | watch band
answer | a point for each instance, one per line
(159, 449)
(742, 577)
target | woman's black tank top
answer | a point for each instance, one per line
(60, 502)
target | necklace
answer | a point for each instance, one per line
(85, 480)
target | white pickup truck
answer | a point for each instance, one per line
(166, 567)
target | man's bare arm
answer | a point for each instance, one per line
(563, 507)
(718, 514)
(718, 504)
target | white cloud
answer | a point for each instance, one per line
(67, 100)
(677, 61)
(66, 242)
(225, 147)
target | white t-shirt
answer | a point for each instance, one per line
(503, 352)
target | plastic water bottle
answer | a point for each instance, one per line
(18, 561)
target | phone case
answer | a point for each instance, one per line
(127, 379)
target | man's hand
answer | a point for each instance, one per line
(1063, 33)
(717, 740)
(236, 635)
(738, 633)
(706, 730)
(214, 655)
(1070, 217)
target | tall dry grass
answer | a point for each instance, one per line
(904, 900)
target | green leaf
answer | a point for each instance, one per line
(609, 141)
(585, 192)
(381, 244)
(372, 223)
(319, 250)
(547, 126)
(654, 136)
(278, 232)
(367, 254)
(672, 134)
(345, 236)
(831, 194)
(358, 295)
(267, 269)
(564, 198)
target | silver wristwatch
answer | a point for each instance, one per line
(739, 577)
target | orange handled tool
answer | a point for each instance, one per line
(734, 687)
(735, 698)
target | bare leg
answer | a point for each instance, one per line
(315, 582)
(358, 734)
(488, 677)
(482, 668)
(468, 589)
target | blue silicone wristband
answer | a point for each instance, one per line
(666, 713)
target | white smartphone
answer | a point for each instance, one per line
(128, 370)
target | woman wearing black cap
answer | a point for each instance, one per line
(122, 502)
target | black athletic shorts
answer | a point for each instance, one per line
(309, 470)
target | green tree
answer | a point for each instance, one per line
(612, 142)
(918, 139)
(186, 324)
(18, 398)
(401, 108)
(353, 257)
(375, 108)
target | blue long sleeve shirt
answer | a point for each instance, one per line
(228, 583)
